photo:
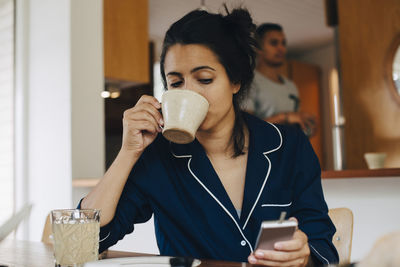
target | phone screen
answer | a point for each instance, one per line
(275, 231)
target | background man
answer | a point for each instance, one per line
(273, 97)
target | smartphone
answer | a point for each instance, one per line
(275, 231)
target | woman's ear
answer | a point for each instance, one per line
(236, 88)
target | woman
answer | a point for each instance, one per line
(209, 197)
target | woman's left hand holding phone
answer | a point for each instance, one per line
(294, 252)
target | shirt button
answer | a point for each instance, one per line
(243, 243)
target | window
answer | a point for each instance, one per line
(6, 108)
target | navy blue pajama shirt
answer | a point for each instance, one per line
(193, 214)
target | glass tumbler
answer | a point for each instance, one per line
(76, 236)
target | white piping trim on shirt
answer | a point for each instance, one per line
(319, 254)
(214, 197)
(105, 237)
(259, 194)
(222, 206)
(276, 205)
(266, 177)
(182, 156)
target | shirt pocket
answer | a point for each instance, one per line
(274, 203)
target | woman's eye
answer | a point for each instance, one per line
(205, 81)
(176, 84)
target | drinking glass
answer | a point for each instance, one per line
(76, 236)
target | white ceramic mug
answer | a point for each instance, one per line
(183, 112)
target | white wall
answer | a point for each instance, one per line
(59, 110)
(6, 110)
(49, 109)
(375, 203)
(87, 82)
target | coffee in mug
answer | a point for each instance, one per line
(183, 112)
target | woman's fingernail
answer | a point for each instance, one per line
(259, 254)
(161, 121)
(252, 259)
(278, 246)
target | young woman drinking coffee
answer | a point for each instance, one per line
(210, 196)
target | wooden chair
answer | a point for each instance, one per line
(342, 218)
(47, 231)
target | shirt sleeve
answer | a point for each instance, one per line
(133, 207)
(310, 207)
(249, 103)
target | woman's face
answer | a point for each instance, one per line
(195, 67)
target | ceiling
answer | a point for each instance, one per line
(303, 20)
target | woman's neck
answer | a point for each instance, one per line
(217, 141)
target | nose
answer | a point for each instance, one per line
(189, 85)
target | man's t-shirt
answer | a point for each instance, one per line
(267, 98)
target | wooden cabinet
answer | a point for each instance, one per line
(127, 64)
(307, 79)
(126, 41)
(366, 35)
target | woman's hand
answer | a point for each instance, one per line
(294, 252)
(141, 124)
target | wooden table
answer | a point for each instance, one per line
(36, 254)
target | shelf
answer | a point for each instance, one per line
(361, 173)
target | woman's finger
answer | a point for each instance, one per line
(277, 256)
(143, 115)
(298, 242)
(150, 100)
(132, 113)
(293, 219)
(142, 125)
(152, 110)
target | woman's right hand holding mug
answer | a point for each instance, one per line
(141, 124)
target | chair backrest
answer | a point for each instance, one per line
(47, 231)
(12, 223)
(342, 218)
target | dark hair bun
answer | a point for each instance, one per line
(240, 17)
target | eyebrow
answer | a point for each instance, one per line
(192, 71)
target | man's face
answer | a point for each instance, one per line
(273, 48)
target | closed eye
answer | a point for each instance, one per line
(176, 84)
(205, 81)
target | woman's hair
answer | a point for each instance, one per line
(231, 38)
